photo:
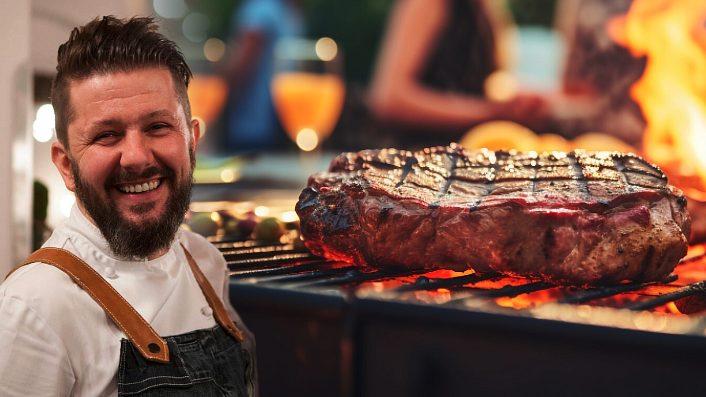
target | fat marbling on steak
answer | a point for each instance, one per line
(581, 218)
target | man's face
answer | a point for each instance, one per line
(130, 158)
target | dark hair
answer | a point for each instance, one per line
(108, 45)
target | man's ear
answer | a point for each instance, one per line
(195, 133)
(195, 136)
(60, 157)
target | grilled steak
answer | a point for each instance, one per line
(581, 218)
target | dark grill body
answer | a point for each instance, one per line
(324, 328)
(578, 218)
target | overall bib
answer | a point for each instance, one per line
(206, 362)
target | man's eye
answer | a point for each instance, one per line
(104, 136)
(158, 126)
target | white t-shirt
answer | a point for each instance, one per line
(55, 340)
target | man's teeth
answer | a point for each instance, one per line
(140, 188)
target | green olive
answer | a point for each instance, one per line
(269, 229)
(230, 226)
(202, 224)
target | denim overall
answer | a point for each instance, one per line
(206, 362)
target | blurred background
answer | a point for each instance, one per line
(283, 86)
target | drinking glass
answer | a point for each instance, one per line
(307, 89)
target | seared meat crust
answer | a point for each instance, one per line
(581, 218)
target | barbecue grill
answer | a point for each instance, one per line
(326, 328)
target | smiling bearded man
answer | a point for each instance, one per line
(120, 300)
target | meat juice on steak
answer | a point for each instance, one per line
(580, 218)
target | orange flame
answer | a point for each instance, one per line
(672, 90)
(691, 270)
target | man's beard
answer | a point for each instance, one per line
(136, 240)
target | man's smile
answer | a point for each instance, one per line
(139, 192)
(140, 187)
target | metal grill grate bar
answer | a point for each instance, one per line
(231, 245)
(426, 284)
(356, 277)
(271, 260)
(512, 291)
(698, 288)
(311, 275)
(262, 251)
(604, 292)
(273, 271)
(509, 291)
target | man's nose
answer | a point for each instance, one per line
(136, 152)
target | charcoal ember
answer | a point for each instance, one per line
(577, 218)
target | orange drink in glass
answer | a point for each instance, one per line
(308, 102)
(307, 90)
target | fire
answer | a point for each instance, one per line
(532, 299)
(672, 90)
(692, 269)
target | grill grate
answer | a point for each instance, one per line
(287, 266)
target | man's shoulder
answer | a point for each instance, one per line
(208, 258)
(39, 279)
(200, 248)
(37, 284)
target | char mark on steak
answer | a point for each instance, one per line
(581, 218)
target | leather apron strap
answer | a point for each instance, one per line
(139, 332)
(219, 309)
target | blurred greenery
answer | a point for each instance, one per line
(40, 232)
(219, 12)
(41, 201)
(357, 26)
(533, 12)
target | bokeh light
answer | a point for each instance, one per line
(501, 85)
(43, 126)
(326, 49)
(215, 216)
(195, 27)
(289, 216)
(262, 211)
(214, 49)
(227, 176)
(307, 139)
(170, 8)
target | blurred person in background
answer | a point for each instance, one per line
(251, 121)
(598, 73)
(428, 85)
